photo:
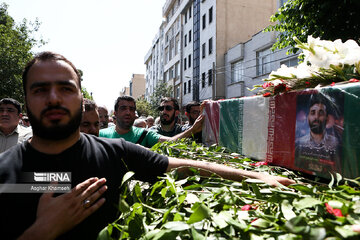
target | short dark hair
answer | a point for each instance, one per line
(13, 102)
(190, 105)
(47, 56)
(319, 99)
(90, 105)
(170, 99)
(124, 98)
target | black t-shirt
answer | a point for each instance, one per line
(89, 157)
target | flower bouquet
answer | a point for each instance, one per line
(325, 63)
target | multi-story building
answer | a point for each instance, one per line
(137, 86)
(196, 36)
(248, 63)
(154, 62)
(125, 91)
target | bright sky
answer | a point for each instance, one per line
(106, 39)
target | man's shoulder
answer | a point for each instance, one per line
(11, 163)
(107, 132)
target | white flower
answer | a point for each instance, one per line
(284, 71)
(305, 71)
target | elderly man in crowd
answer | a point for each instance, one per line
(104, 117)
(90, 118)
(150, 121)
(11, 132)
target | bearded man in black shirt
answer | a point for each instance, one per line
(54, 104)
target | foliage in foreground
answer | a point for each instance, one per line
(214, 208)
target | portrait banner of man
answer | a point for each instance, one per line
(319, 131)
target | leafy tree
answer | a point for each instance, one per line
(143, 107)
(16, 42)
(327, 19)
(161, 90)
(86, 94)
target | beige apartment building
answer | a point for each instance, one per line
(195, 37)
(137, 86)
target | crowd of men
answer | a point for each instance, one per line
(57, 113)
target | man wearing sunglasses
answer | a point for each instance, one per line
(169, 110)
(124, 110)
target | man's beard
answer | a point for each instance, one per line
(58, 131)
(317, 128)
(123, 124)
(167, 122)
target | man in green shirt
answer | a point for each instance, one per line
(124, 111)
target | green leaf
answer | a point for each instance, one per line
(127, 177)
(261, 223)
(302, 188)
(255, 189)
(200, 212)
(178, 217)
(286, 209)
(306, 203)
(221, 220)
(196, 235)
(104, 234)
(346, 231)
(297, 225)
(123, 206)
(317, 233)
(176, 226)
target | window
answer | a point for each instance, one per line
(210, 73)
(203, 50)
(263, 61)
(185, 17)
(172, 49)
(189, 12)
(177, 44)
(210, 15)
(210, 46)
(184, 63)
(185, 88)
(237, 71)
(171, 73)
(189, 86)
(203, 80)
(290, 62)
(204, 21)
(189, 60)
(177, 70)
(185, 40)
(166, 55)
(190, 36)
(178, 92)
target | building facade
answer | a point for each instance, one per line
(247, 64)
(154, 62)
(137, 86)
(199, 37)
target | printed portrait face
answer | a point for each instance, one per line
(317, 118)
